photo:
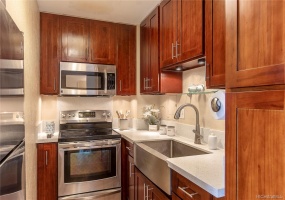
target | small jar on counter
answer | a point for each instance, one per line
(162, 129)
(170, 130)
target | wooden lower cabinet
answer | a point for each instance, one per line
(145, 189)
(255, 150)
(183, 189)
(47, 171)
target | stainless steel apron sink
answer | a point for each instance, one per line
(150, 159)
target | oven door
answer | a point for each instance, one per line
(87, 79)
(12, 173)
(86, 168)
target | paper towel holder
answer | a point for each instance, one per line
(216, 104)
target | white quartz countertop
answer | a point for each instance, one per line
(42, 138)
(206, 171)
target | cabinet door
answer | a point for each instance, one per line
(47, 171)
(154, 71)
(140, 183)
(255, 151)
(255, 43)
(153, 193)
(175, 197)
(185, 188)
(215, 43)
(168, 32)
(131, 175)
(126, 60)
(144, 54)
(102, 42)
(74, 39)
(190, 30)
(50, 51)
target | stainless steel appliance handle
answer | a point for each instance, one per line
(84, 147)
(11, 157)
(105, 72)
(183, 189)
(92, 195)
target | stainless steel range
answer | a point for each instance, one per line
(89, 156)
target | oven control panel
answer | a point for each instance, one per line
(85, 116)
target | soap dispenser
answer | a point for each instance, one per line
(212, 141)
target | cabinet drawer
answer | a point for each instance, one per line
(130, 148)
(187, 190)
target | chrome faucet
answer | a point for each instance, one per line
(198, 136)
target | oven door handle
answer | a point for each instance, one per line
(72, 147)
(92, 195)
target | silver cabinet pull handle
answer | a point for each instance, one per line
(131, 173)
(144, 191)
(172, 50)
(177, 44)
(144, 83)
(54, 83)
(46, 158)
(183, 189)
(146, 196)
(120, 85)
(129, 148)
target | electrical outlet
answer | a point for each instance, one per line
(181, 114)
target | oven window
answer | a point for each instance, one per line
(11, 176)
(82, 80)
(11, 78)
(90, 164)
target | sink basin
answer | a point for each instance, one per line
(173, 149)
(150, 159)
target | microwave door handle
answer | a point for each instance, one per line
(105, 78)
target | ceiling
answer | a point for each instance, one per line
(120, 11)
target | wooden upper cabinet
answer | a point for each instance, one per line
(181, 31)
(255, 151)
(168, 32)
(144, 54)
(126, 59)
(215, 43)
(102, 42)
(74, 39)
(255, 43)
(50, 53)
(189, 29)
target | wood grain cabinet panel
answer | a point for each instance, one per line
(102, 42)
(255, 43)
(153, 80)
(47, 171)
(126, 59)
(215, 43)
(181, 31)
(255, 151)
(50, 53)
(145, 189)
(74, 39)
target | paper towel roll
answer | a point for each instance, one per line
(221, 113)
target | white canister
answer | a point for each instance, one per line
(212, 141)
(124, 124)
(162, 130)
(170, 130)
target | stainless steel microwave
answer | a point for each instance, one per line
(85, 79)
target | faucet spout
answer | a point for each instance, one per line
(198, 136)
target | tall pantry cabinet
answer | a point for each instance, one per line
(255, 99)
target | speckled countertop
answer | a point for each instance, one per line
(206, 171)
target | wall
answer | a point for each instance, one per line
(26, 15)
